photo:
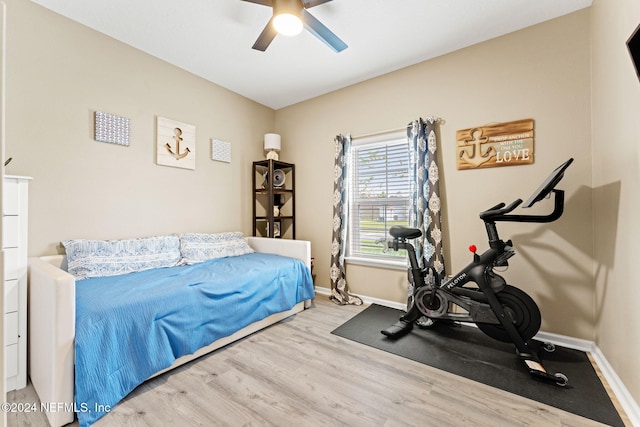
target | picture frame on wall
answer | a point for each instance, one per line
(175, 143)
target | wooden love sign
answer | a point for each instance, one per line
(501, 144)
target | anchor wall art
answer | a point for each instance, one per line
(175, 144)
(501, 144)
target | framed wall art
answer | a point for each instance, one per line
(111, 128)
(220, 151)
(500, 144)
(175, 143)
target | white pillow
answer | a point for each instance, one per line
(99, 258)
(199, 247)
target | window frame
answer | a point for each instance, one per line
(380, 139)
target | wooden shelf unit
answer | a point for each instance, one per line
(267, 221)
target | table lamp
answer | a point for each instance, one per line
(272, 145)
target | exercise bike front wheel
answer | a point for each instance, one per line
(523, 311)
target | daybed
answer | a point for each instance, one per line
(75, 366)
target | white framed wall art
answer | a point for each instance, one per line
(175, 143)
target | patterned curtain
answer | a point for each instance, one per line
(425, 192)
(339, 288)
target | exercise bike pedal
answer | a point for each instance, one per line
(398, 329)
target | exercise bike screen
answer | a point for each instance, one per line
(548, 184)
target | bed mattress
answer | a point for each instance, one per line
(131, 326)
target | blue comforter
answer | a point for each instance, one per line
(131, 326)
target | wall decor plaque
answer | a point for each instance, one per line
(220, 151)
(111, 128)
(500, 144)
(175, 144)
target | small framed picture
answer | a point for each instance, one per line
(220, 151)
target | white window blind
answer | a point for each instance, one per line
(379, 195)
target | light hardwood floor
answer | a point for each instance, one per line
(296, 373)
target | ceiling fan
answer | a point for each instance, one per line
(288, 18)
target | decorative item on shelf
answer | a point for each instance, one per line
(276, 230)
(278, 179)
(272, 145)
(276, 210)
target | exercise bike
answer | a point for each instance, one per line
(501, 311)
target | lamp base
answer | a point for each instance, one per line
(272, 155)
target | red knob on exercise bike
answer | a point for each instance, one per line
(473, 249)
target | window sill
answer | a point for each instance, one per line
(394, 265)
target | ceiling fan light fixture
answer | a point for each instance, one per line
(287, 24)
(289, 18)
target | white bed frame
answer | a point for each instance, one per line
(52, 325)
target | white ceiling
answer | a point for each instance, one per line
(213, 38)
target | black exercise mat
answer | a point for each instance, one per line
(466, 351)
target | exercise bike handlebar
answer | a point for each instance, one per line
(499, 212)
(499, 209)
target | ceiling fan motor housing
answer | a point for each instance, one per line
(294, 7)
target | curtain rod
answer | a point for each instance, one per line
(382, 132)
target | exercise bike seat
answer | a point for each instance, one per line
(402, 232)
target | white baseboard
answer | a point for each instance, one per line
(366, 299)
(628, 403)
(565, 341)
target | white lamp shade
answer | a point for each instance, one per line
(271, 141)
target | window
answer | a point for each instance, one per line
(378, 195)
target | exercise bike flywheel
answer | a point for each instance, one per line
(522, 310)
(431, 308)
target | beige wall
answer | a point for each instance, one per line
(58, 74)
(616, 161)
(542, 73)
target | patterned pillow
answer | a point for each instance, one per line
(98, 258)
(199, 247)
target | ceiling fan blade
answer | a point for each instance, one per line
(266, 37)
(318, 29)
(262, 2)
(311, 3)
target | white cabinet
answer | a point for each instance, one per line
(14, 244)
